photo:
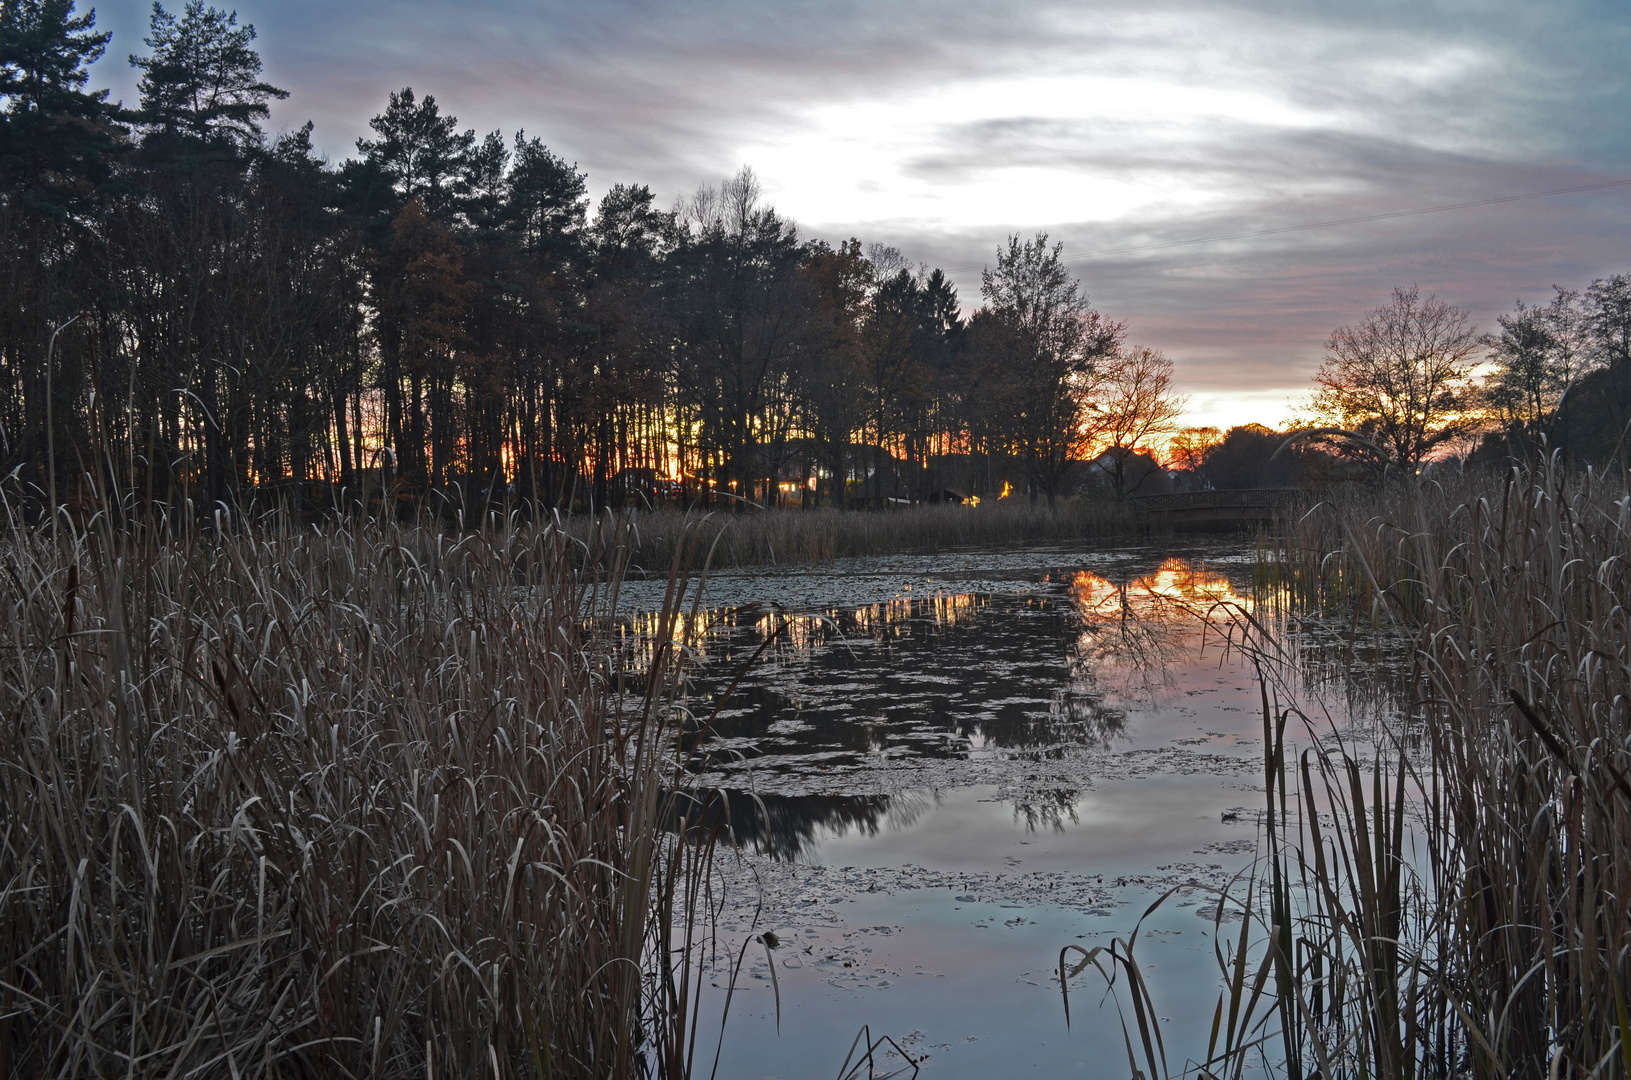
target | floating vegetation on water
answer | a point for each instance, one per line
(1026, 779)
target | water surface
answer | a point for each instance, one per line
(942, 769)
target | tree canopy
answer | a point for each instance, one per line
(201, 311)
(1400, 378)
(446, 315)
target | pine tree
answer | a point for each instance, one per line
(202, 80)
(57, 145)
(192, 230)
(56, 137)
(422, 152)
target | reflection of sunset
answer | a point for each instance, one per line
(641, 634)
(1135, 631)
(946, 608)
(1177, 586)
(798, 631)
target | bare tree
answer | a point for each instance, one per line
(1400, 380)
(1045, 347)
(728, 208)
(1607, 316)
(1606, 313)
(1135, 405)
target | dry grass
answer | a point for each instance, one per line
(809, 536)
(1499, 946)
(1453, 899)
(363, 801)
(1520, 590)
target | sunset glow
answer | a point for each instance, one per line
(1112, 127)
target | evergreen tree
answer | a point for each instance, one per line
(57, 148)
(422, 152)
(56, 139)
(202, 79)
(832, 376)
(195, 242)
(743, 306)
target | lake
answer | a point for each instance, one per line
(943, 769)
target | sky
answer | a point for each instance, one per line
(1124, 130)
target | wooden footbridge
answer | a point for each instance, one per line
(1230, 509)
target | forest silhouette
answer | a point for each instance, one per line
(199, 312)
(195, 309)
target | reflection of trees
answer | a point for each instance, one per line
(935, 630)
(1134, 628)
(861, 681)
(1129, 658)
(1052, 809)
(1078, 716)
(1361, 678)
(1137, 626)
(787, 827)
(862, 685)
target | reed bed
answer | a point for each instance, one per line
(1447, 896)
(788, 536)
(365, 800)
(1519, 590)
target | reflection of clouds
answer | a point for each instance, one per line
(1137, 629)
(1129, 659)
(1131, 631)
(1134, 630)
(862, 680)
(909, 807)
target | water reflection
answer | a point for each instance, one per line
(949, 673)
(1136, 627)
(790, 827)
(1177, 590)
(944, 675)
(1034, 668)
(1049, 810)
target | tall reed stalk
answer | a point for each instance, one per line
(366, 800)
(1511, 961)
(1448, 895)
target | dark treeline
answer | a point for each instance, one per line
(1413, 386)
(1560, 378)
(193, 309)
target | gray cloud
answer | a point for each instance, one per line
(1385, 107)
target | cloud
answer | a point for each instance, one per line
(940, 127)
